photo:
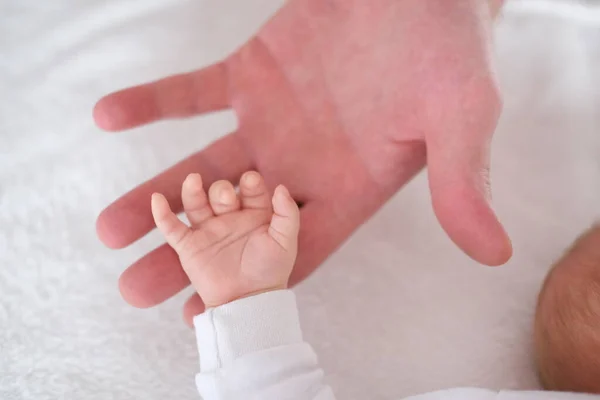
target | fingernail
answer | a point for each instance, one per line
(251, 179)
(283, 191)
(194, 176)
(225, 196)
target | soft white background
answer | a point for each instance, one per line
(66, 333)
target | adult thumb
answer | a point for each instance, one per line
(458, 158)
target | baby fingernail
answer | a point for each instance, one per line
(251, 179)
(225, 197)
(283, 191)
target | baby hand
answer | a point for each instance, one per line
(237, 245)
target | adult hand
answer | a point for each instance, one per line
(343, 101)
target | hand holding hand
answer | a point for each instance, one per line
(343, 102)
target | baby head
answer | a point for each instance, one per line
(567, 321)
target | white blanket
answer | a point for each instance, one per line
(66, 333)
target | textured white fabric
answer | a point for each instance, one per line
(252, 349)
(230, 329)
(447, 322)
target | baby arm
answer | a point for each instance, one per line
(253, 349)
(238, 252)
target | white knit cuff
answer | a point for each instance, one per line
(246, 326)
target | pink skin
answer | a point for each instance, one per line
(342, 101)
(236, 246)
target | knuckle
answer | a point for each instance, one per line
(485, 95)
(465, 95)
(475, 105)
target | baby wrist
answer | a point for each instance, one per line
(258, 292)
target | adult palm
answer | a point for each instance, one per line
(343, 101)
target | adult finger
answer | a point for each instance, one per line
(177, 96)
(153, 279)
(129, 218)
(458, 158)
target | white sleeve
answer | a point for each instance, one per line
(253, 349)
